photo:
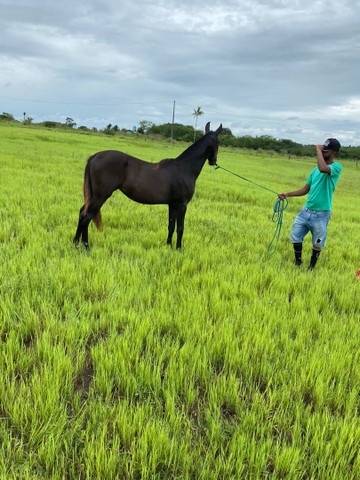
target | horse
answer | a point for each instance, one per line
(170, 181)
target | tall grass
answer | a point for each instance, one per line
(140, 362)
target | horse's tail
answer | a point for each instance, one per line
(88, 193)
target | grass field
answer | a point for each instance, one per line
(135, 361)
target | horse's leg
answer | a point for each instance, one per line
(171, 224)
(79, 227)
(181, 211)
(82, 229)
(94, 208)
(85, 231)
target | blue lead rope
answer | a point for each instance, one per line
(277, 216)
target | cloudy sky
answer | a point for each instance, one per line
(286, 68)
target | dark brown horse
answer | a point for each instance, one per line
(170, 182)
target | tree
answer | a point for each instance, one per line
(197, 113)
(176, 131)
(7, 116)
(108, 130)
(145, 126)
(70, 122)
(50, 124)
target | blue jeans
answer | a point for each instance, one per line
(314, 221)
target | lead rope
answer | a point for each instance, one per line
(277, 217)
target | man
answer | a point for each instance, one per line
(315, 215)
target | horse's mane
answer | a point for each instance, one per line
(197, 145)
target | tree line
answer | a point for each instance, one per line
(188, 133)
(227, 138)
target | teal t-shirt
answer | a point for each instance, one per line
(322, 186)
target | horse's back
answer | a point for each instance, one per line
(108, 157)
(142, 181)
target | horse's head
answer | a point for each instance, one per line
(213, 139)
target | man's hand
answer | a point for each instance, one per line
(322, 159)
(296, 193)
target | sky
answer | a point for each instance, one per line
(285, 68)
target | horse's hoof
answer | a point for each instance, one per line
(86, 246)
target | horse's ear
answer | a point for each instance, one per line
(219, 130)
(207, 127)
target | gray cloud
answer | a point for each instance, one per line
(281, 67)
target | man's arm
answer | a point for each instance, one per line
(322, 165)
(296, 193)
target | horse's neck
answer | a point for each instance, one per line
(194, 158)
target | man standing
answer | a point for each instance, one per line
(315, 215)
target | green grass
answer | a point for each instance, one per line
(140, 362)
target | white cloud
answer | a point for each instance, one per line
(350, 110)
(288, 68)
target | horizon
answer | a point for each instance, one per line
(258, 68)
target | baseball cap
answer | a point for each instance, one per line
(332, 144)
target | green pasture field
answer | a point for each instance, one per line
(135, 361)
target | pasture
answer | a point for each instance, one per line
(135, 361)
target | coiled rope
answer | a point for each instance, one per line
(279, 207)
(277, 217)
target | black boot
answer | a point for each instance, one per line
(298, 252)
(314, 258)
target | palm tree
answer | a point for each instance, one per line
(197, 113)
